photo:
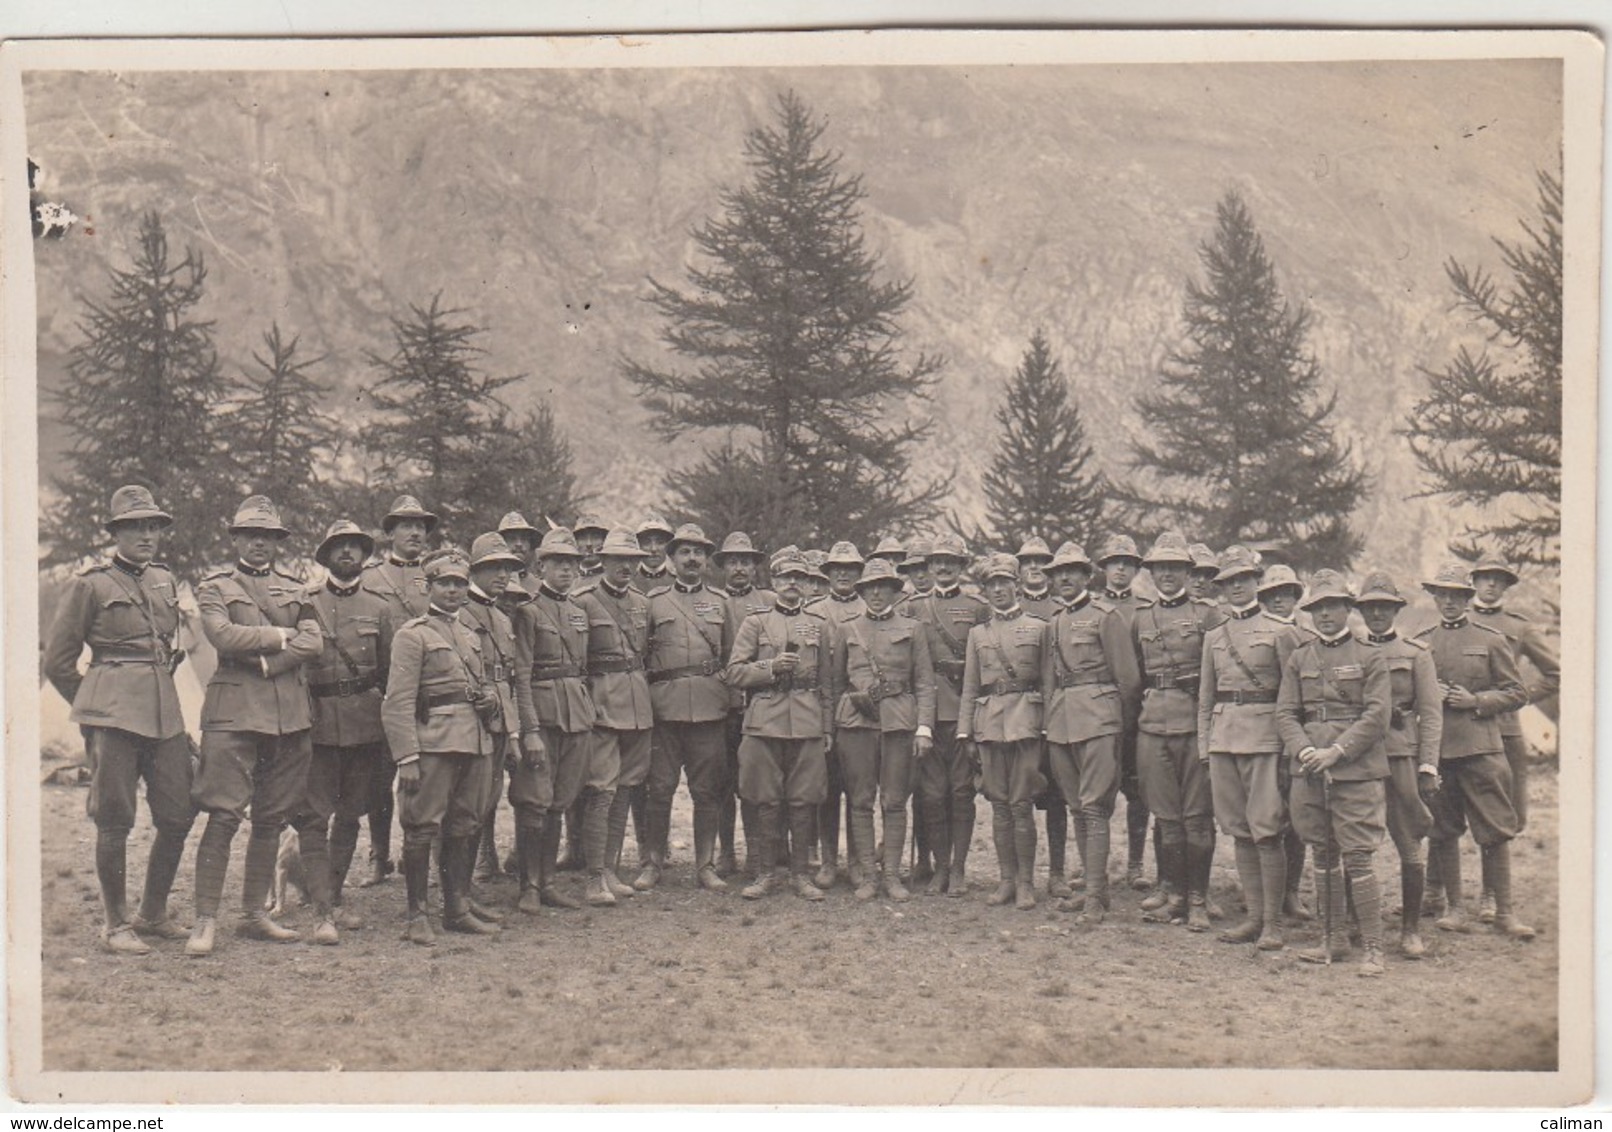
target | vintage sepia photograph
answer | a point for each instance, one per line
(1023, 554)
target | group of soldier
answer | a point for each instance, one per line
(583, 672)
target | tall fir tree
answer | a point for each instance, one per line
(791, 341)
(439, 422)
(1043, 480)
(1242, 447)
(142, 406)
(277, 433)
(529, 467)
(1489, 432)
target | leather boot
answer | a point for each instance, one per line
(1411, 884)
(760, 845)
(1024, 839)
(529, 866)
(1077, 819)
(1136, 842)
(595, 838)
(212, 861)
(864, 872)
(1292, 903)
(487, 851)
(1497, 867)
(1273, 880)
(547, 891)
(111, 855)
(457, 914)
(1172, 908)
(939, 825)
(1447, 855)
(568, 853)
(828, 836)
(161, 867)
(1367, 893)
(1433, 885)
(895, 839)
(1340, 939)
(380, 845)
(962, 837)
(706, 817)
(802, 827)
(1057, 849)
(1007, 857)
(262, 847)
(1197, 884)
(1097, 852)
(923, 863)
(416, 881)
(1249, 874)
(615, 837)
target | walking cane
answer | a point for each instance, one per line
(1326, 918)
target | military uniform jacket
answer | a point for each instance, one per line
(495, 632)
(1480, 660)
(1089, 677)
(690, 640)
(839, 609)
(645, 580)
(1043, 605)
(551, 664)
(1168, 638)
(128, 616)
(401, 585)
(1337, 694)
(740, 606)
(437, 655)
(1416, 725)
(888, 660)
(797, 705)
(946, 620)
(242, 615)
(1001, 700)
(1240, 677)
(349, 677)
(1527, 642)
(618, 642)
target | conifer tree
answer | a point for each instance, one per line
(1242, 447)
(1489, 432)
(1042, 480)
(790, 341)
(142, 406)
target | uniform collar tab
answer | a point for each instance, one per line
(254, 571)
(122, 563)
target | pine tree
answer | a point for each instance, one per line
(142, 406)
(529, 468)
(1041, 480)
(440, 424)
(278, 435)
(1242, 447)
(1489, 432)
(791, 341)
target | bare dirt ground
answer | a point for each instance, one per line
(682, 979)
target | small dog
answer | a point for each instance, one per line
(288, 874)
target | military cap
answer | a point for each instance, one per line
(1203, 558)
(1492, 564)
(949, 546)
(918, 552)
(491, 547)
(558, 543)
(889, 548)
(130, 503)
(1325, 585)
(789, 560)
(655, 522)
(408, 507)
(690, 533)
(1070, 555)
(1171, 546)
(621, 543)
(1034, 548)
(589, 521)
(737, 545)
(515, 523)
(448, 562)
(1278, 576)
(1378, 586)
(258, 513)
(814, 563)
(340, 529)
(879, 570)
(844, 554)
(1450, 576)
(1118, 546)
(1236, 561)
(999, 566)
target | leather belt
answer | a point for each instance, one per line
(350, 687)
(885, 689)
(241, 665)
(793, 683)
(1332, 713)
(438, 699)
(555, 672)
(111, 654)
(1009, 687)
(705, 668)
(1245, 696)
(615, 664)
(1187, 682)
(1078, 680)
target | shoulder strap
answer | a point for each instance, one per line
(699, 627)
(1237, 659)
(959, 648)
(330, 633)
(855, 626)
(448, 638)
(143, 600)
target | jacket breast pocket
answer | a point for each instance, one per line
(1474, 667)
(243, 610)
(1310, 681)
